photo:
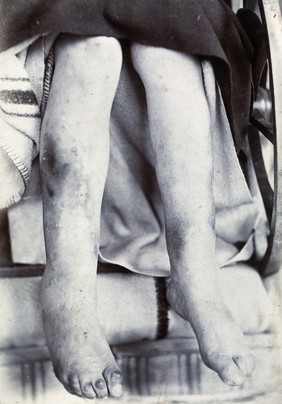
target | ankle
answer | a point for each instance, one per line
(201, 292)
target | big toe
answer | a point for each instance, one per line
(227, 370)
(73, 386)
(113, 378)
(245, 363)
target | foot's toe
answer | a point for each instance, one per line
(76, 392)
(242, 365)
(87, 389)
(113, 379)
(227, 370)
(100, 387)
(245, 363)
(73, 386)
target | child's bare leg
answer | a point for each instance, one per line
(180, 131)
(74, 163)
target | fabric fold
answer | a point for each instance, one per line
(20, 119)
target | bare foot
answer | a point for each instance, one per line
(81, 356)
(221, 342)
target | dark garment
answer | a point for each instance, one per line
(206, 28)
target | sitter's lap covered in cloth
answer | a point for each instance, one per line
(132, 226)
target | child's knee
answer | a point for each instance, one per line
(162, 66)
(82, 54)
(146, 60)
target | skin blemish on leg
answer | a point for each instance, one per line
(175, 238)
(44, 157)
(48, 160)
(53, 163)
(48, 152)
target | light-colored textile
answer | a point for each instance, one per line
(132, 224)
(21, 87)
(19, 125)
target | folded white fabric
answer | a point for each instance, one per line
(20, 119)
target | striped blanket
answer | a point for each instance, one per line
(21, 91)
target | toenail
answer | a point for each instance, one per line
(116, 377)
(235, 382)
(230, 382)
(87, 387)
(100, 384)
